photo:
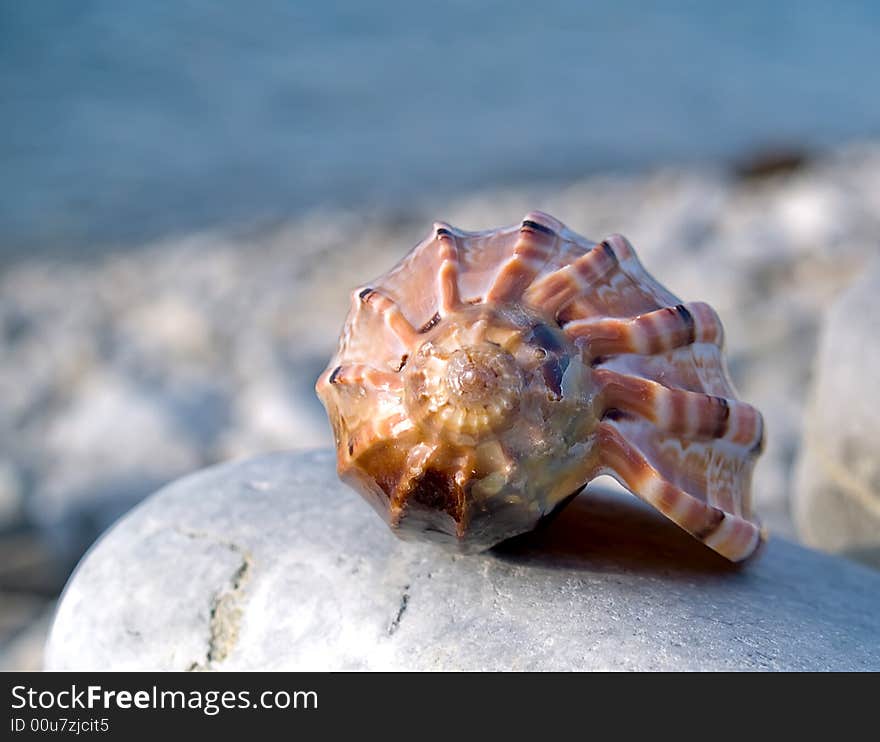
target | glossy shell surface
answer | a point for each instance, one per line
(485, 379)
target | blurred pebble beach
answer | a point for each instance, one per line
(123, 373)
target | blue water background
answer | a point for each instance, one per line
(122, 121)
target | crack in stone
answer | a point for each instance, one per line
(404, 601)
(225, 609)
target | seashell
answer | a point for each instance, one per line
(484, 380)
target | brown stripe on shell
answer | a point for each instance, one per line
(620, 246)
(395, 321)
(712, 526)
(731, 536)
(637, 474)
(687, 320)
(676, 411)
(529, 224)
(542, 221)
(556, 289)
(609, 251)
(447, 276)
(648, 334)
(735, 538)
(362, 374)
(723, 416)
(533, 249)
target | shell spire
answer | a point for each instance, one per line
(491, 375)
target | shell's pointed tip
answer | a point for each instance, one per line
(443, 229)
(619, 243)
(541, 222)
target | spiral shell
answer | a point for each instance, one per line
(485, 379)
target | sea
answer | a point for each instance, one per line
(122, 123)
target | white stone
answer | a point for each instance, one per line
(837, 502)
(273, 564)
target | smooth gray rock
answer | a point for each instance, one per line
(837, 502)
(272, 564)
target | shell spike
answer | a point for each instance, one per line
(417, 461)
(730, 535)
(360, 374)
(680, 412)
(447, 276)
(395, 321)
(653, 332)
(555, 290)
(621, 246)
(535, 244)
(541, 222)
